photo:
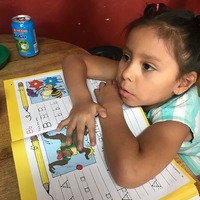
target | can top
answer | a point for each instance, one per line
(21, 18)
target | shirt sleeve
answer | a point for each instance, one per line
(184, 108)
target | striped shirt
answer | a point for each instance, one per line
(184, 108)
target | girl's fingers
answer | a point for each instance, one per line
(92, 133)
(70, 131)
(102, 84)
(80, 129)
(63, 124)
(69, 139)
(102, 112)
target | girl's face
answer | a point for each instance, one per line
(148, 71)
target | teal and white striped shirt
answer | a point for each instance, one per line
(185, 109)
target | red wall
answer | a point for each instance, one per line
(86, 23)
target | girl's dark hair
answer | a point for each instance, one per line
(179, 28)
(155, 9)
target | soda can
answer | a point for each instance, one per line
(24, 34)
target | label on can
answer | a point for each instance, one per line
(24, 34)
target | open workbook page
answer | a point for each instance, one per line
(53, 170)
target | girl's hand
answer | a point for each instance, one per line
(82, 118)
(108, 94)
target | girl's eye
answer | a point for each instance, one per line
(148, 67)
(126, 57)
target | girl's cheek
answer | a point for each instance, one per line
(118, 78)
(119, 71)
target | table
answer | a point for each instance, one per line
(50, 58)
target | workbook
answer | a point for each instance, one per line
(48, 169)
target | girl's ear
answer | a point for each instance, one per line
(185, 83)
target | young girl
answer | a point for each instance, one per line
(158, 70)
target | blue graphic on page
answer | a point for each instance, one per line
(49, 88)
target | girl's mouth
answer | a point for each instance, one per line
(123, 92)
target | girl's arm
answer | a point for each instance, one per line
(132, 160)
(76, 69)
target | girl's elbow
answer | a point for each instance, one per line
(70, 58)
(127, 181)
(129, 178)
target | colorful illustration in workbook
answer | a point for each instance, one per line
(40, 90)
(62, 159)
(46, 89)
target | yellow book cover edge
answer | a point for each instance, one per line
(23, 171)
(24, 175)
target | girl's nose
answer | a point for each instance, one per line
(128, 74)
